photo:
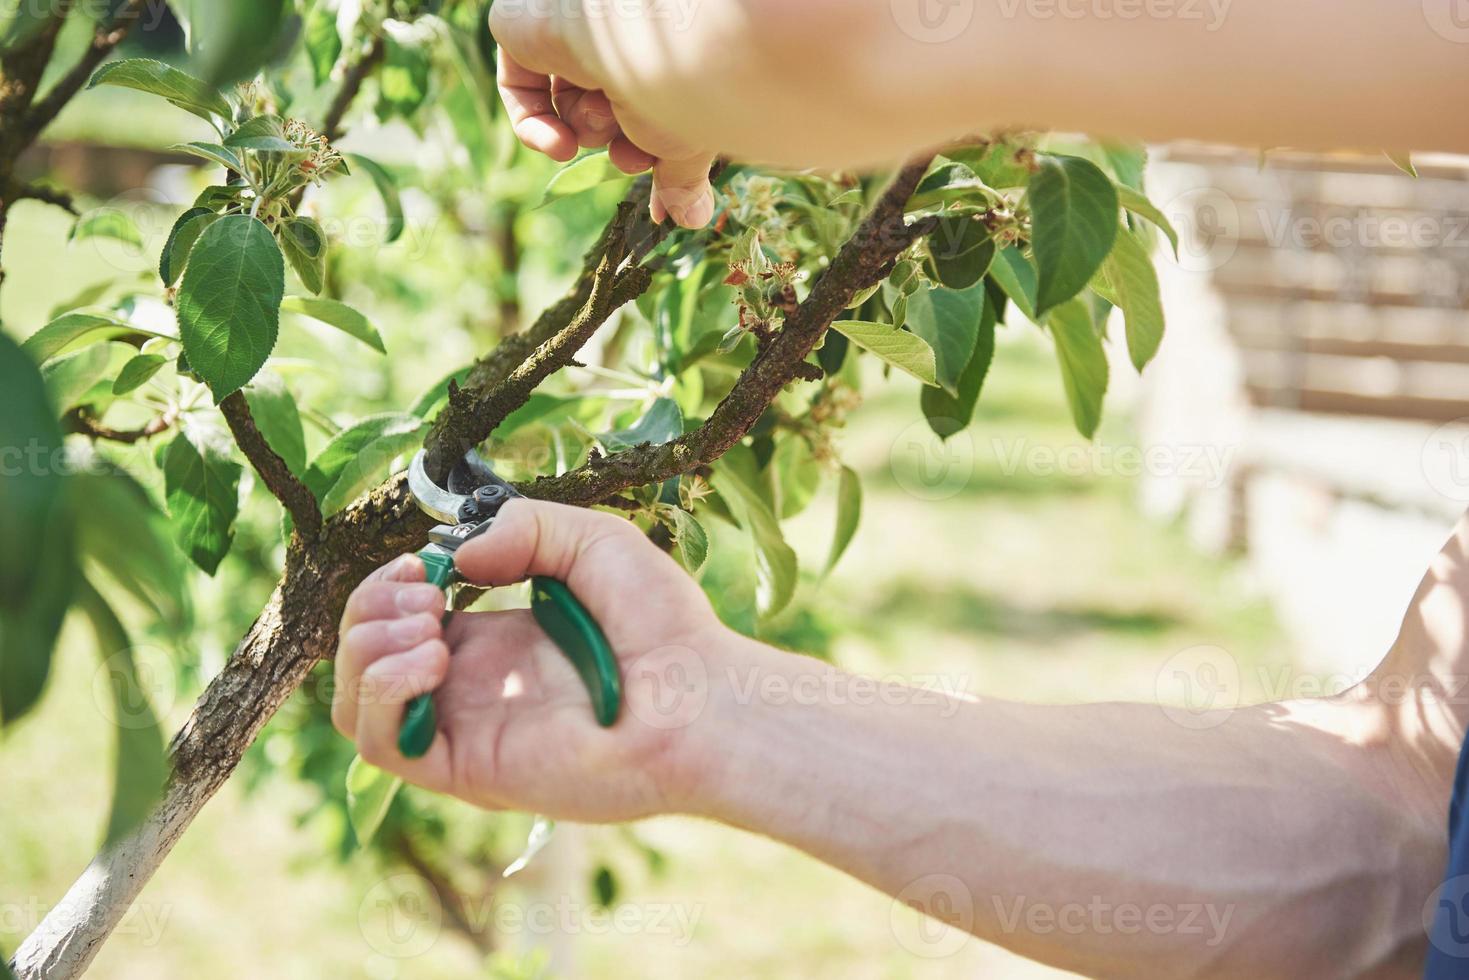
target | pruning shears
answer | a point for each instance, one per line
(468, 507)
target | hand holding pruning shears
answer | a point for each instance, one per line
(518, 720)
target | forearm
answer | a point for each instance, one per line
(845, 82)
(1103, 838)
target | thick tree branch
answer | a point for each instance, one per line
(862, 262)
(298, 501)
(104, 40)
(298, 627)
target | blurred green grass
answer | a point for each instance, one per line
(1014, 585)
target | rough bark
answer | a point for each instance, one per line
(298, 626)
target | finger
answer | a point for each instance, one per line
(588, 113)
(534, 537)
(390, 600)
(387, 686)
(532, 110)
(627, 157)
(364, 645)
(681, 191)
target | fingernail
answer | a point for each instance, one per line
(413, 629)
(687, 213)
(419, 599)
(600, 121)
(399, 564)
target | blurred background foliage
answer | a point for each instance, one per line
(1047, 588)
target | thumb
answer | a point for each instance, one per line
(535, 537)
(681, 191)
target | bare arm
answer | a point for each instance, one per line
(852, 82)
(1298, 839)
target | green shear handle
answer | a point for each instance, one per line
(565, 620)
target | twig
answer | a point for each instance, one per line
(862, 262)
(104, 40)
(298, 501)
(79, 421)
(46, 195)
(351, 84)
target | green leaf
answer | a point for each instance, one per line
(339, 315)
(264, 134)
(71, 329)
(229, 302)
(604, 887)
(948, 413)
(1073, 210)
(37, 564)
(214, 153)
(849, 513)
(370, 792)
(1403, 161)
(231, 41)
(1140, 205)
(387, 189)
(358, 457)
(278, 419)
(1083, 363)
(72, 377)
(202, 484)
(106, 223)
(123, 534)
(689, 537)
(905, 351)
(582, 174)
(323, 42)
(948, 321)
(140, 764)
(156, 78)
(997, 165)
(403, 79)
(136, 373)
(304, 243)
(181, 239)
(662, 423)
(736, 478)
(946, 183)
(1017, 279)
(962, 250)
(1134, 283)
(1128, 161)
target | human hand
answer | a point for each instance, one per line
(560, 99)
(516, 728)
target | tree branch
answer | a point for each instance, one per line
(331, 126)
(104, 40)
(46, 195)
(862, 262)
(298, 626)
(79, 421)
(298, 501)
